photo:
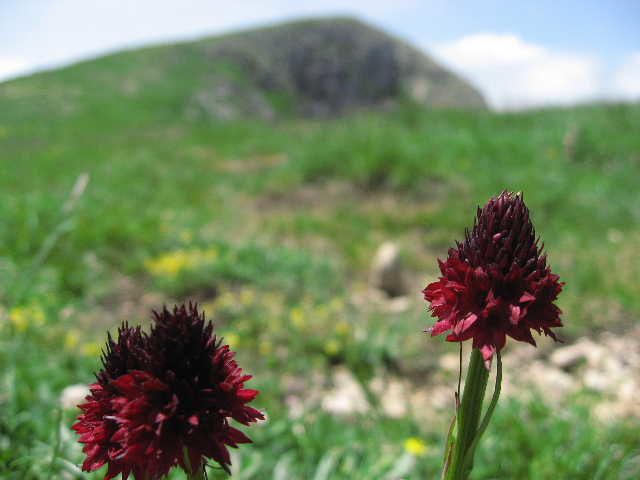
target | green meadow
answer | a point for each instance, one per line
(115, 197)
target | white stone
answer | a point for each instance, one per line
(72, 396)
(393, 395)
(346, 396)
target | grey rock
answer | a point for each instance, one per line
(567, 358)
(387, 273)
(226, 100)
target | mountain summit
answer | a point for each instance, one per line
(331, 65)
(313, 68)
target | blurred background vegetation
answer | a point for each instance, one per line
(115, 197)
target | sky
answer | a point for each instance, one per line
(519, 54)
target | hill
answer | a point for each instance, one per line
(310, 67)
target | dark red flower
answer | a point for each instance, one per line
(496, 282)
(165, 399)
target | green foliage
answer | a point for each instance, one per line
(537, 442)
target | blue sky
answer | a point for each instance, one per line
(518, 53)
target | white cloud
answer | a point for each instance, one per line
(488, 49)
(514, 73)
(12, 66)
(626, 80)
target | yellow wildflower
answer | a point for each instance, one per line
(169, 264)
(232, 339)
(172, 263)
(415, 446)
(332, 347)
(247, 297)
(342, 327)
(265, 347)
(297, 317)
(91, 349)
(71, 339)
(18, 318)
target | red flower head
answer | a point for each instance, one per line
(497, 282)
(164, 399)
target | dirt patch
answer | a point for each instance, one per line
(127, 299)
(331, 194)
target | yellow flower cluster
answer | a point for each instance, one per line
(26, 316)
(173, 263)
(72, 342)
(243, 314)
(236, 303)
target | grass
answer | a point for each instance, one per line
(272, 227)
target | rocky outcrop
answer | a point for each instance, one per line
(328, 66)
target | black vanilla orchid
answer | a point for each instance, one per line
(165, 399)
(496, 283)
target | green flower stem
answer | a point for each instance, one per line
(468, 459)
(468, 417)
(191, 475)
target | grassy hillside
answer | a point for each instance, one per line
(272, 225)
